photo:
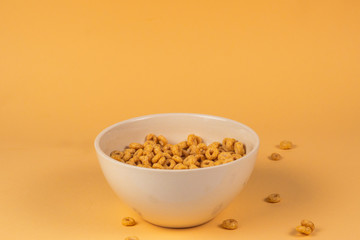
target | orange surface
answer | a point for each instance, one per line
(288, 69)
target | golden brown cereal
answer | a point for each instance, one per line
(227, 160)
(177, 159)
(224, 155)
(156, 158)
(192, 149)
(180, 166)
(193, 166)
(117, 155)
(273, 198)
(167, 147)
(167, 154)
(239, 148)
(304, 230)
(190, 160)
(151, 137)
(192, 139)
(230, 224)
(144, 160)
(128, 221)
(132, 238)
(218, 162)
(135, 145)
(201, 148)
(158, 166)
(176, 150)
(308, 223)
(169, 164)
(148, 148)
(183, 145)
(157, 152)
(275, 156)
(236, 156)
(212, 153)
(162, 160)
(215, 145)
(285, 145)
(207, 163)
(228, 144)
(138, 153)
(162, 140)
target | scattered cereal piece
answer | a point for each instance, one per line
(285, 145)
(308, 223)
(128, 221)
(230, 224)
(275, 156)
(306, 227)
(304, 230)
(273, 198)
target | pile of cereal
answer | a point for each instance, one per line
(156, 152)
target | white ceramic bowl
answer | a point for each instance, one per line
(176, 198)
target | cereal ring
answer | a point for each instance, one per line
(192, 150)
(190, 160)
(151, 137)
(193, 166)
(180, 166)
(162, 140)
(127, 155)
(150, 155)
(273, 198)
(230, 224)
(207, 163)
(138, 153)
(177, 159)
(308, 223)
(304, 230)
(157, 166)
(275, 156)
(185, 153)
(149, 142)
(215, 145)
(228, 144)
(212, 153)
(144, 160)
(192, 139)
(162, 160)
(156, 158)
(239, 148)
(132, 161)
(167, 154)
(167, 147)
(183, 145)
(148, 148)
(117, 155)
(218, 162)
(201, 148)
(224, 155)
(157, 149)
(176, 150)
(285, 145)
(236, 156)
(169, 164)
(128, 221)
(227, 160)
(135, 146)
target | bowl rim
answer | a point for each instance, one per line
(107, 129)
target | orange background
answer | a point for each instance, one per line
(288, 69)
